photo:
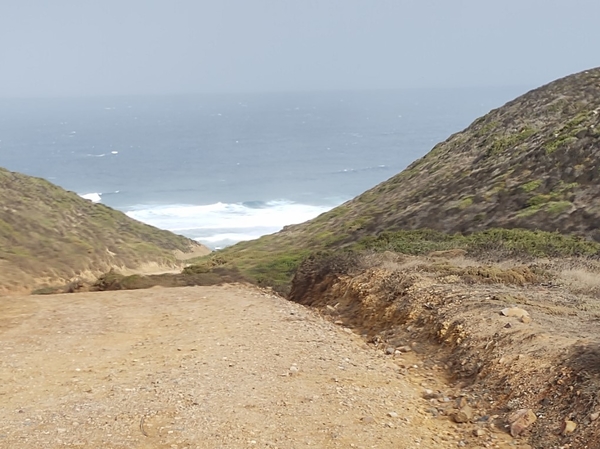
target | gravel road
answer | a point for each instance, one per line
(200, 367)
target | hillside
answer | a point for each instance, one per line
(531, 164)
(50, 236)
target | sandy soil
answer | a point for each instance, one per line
(205, 367)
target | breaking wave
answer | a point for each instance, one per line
(93, 197)
(222, 224)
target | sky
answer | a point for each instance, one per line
(131, 47)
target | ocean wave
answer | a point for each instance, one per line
(214, 224)
(230, 237)
(96, 197)
(219, 241)
(101, 154)
(364, 169)
(93, 197)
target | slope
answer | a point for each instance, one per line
(531, 164)
(49, 235)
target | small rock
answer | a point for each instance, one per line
(515, 312)
(404, 349)
(594, 416)
(463, 415)
(461, 402)
(392, 414)
(568, 427)
(390, 351)
(429, 394)
(478, 432)
(294, 369)
(521, 420)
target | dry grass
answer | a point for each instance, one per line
(49, 236)
(581, 280)
(519, 275)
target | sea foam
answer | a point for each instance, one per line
(93, 197)
(221, 224)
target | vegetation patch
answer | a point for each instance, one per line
(502, 144)
(215, 276)
(508, 242)
(267, 263)
(48, 232)
(558, 142)
(529, 211)
(489, 274)
(558, 207)
(531, 185)
(465, 202)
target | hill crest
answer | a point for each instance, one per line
(49, 235)
(533, 163)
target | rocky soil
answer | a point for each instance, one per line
(208, 367)
(519, 342)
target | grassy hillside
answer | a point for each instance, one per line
(49, 235)
(533, 164)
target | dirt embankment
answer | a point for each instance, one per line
(542, 361)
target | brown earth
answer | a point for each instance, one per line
(545, 359)
(209, 367)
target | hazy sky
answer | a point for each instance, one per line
(99, 47)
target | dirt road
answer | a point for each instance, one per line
(203, 367)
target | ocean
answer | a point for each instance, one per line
(225, 168)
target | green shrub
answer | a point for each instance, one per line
(510, 242)
(558, 207)
(531, 185)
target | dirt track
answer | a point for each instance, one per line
(202, 367)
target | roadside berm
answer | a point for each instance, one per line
(518, 341)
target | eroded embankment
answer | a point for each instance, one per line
(546, 362)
